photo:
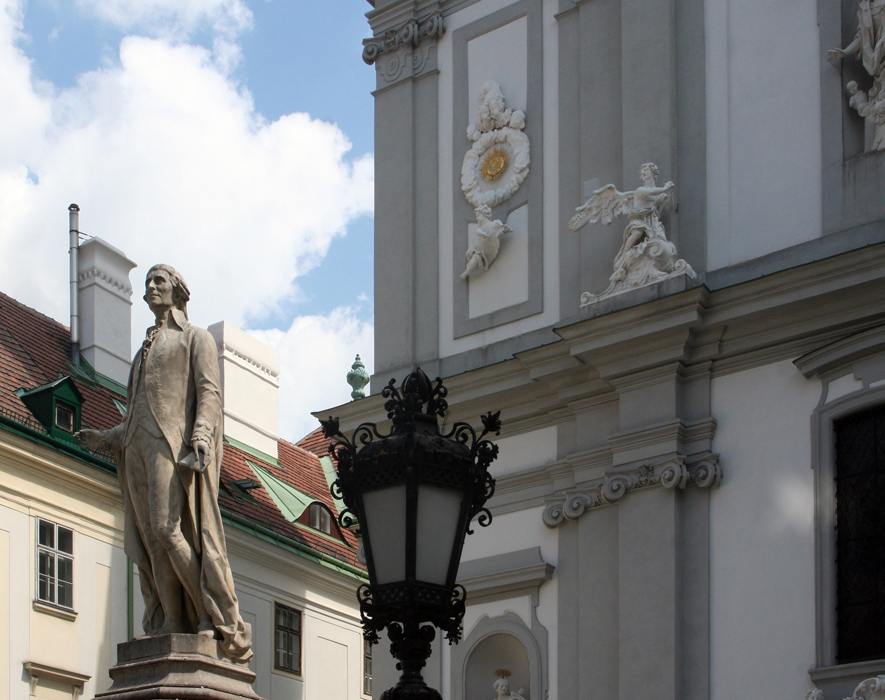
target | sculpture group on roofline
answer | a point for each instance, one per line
(868, 45)
(168, 453)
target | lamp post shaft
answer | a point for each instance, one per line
(410, 645)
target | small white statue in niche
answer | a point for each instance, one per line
(502, 687)
(869, 46)
(498, 161)
(488, 241)
(646, 256)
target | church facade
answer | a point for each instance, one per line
(652, 234)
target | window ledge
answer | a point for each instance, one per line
(841, 681)
(36, 671)
(51, 609)
(289, 674)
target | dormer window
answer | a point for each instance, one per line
(64, 417)
(56, 405)
(320, 518)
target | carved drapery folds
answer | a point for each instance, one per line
(611, 488)
(412, 33)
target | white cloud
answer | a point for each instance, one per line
(316, 354)
(172, 18)
(170, 162)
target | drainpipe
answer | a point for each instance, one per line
(74, 250)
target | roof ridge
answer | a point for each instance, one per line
(32, 310)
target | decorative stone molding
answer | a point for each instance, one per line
(611, 488)
(816, 694)
(870, 689)
(272, 373)
(411, 33)
(93, 273)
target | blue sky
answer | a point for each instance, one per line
(231, 138)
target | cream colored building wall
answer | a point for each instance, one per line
(762, 554)
(36, 482)
(265, 574)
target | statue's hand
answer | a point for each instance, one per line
(201, 455)
(91, 439)
(835, 54)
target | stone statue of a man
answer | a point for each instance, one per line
(169, 457)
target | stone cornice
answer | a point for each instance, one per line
(271, 375)
(611, 488)
(94, 275)
(409, 33)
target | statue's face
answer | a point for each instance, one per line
(158, 290)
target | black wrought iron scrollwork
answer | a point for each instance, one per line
(370, 460)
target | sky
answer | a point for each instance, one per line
(231, 139)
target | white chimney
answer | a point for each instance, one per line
(105, 309)
(250, 384)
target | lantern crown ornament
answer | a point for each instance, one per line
(413, 492)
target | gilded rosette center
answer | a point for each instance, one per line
(494, 164)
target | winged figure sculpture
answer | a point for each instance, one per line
(645, 255)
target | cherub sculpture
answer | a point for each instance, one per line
(872, 112)
(646, 255)
(488, 241)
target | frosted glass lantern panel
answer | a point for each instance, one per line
(386, 526)
(438, 513)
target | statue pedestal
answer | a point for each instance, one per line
(177, 667)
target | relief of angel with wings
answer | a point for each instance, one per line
(646, 255)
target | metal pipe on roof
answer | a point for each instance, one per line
(74, 250)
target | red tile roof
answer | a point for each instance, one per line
(35, 350)
(301, 469)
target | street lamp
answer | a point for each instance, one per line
(413, 493)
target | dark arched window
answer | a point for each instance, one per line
(860, 536)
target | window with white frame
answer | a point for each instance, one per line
(55, 564)
(320, 518)
(367, 668)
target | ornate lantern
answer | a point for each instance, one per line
(413, 492)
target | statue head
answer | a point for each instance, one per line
(180, 292)
(502, 687)
(649, 169)
(851, 86)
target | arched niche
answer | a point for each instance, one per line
(495, 643)
(497, 651)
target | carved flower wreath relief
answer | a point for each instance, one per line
(498, 162)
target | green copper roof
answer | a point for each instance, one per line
(291, 502)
